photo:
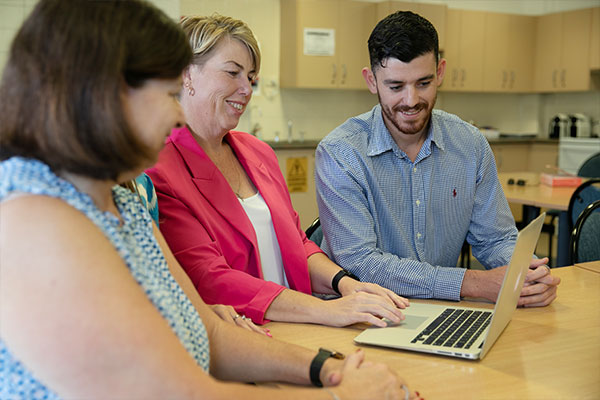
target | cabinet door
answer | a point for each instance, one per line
(437, 15)
(496, 71)
(575, 71)
(300, 70)
(451, 52)
(471, 50)
(548, 52)
(511, 157)
(520, 54)
(355, 25)
(595, 40)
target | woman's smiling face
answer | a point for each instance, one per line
(222, 86)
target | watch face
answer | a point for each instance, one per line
(333, 354)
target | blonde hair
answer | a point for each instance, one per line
(204, 33)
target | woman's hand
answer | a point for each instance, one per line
(360, 307)
(228, 314)
(360, 379)
(348, 286)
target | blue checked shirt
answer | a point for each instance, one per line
(401, 224)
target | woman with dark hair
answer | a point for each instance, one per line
(94, 304)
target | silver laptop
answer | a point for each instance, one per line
(461, 331)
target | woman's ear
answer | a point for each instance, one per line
(187, 76)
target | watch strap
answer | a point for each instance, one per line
(337, 277)
(317, 364)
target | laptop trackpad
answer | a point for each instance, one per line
(410, 322)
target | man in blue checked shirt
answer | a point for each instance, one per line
(402, 186)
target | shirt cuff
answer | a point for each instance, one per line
(448, 283)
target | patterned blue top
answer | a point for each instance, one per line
(401, 224)
(136, 244)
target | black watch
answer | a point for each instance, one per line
(317, 364)
(336, 279)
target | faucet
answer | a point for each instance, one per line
(289, 131)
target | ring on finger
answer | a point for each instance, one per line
(244, 318)
(406, 392)
(236, 316)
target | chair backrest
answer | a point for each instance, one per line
(585, 237)
(314, 232)
(584, 195)
(591, 167)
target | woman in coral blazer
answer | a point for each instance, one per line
(207, 172)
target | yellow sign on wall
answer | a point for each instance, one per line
(297, 171)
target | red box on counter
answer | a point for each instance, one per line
(560, 180)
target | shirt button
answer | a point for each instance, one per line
(415, 169)
(418, 202)
(418, 236)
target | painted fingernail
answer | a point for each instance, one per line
(417, 393)
(269, 335)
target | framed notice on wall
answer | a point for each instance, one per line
(319, 42)
(297, 168)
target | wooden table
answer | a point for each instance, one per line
(544, 353)
(534, 196)
(593, 266)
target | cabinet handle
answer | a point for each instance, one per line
(554, 78)
(563, 78)
(454, 76)
(334, 74)
(462, 80)
(512, 79)
(344, 73)
(504, 77)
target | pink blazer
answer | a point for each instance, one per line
(209, 232)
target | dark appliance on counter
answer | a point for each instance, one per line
(580, 126)
(558, 126)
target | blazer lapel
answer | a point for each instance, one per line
(211, 184)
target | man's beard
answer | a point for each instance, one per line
(411, 127)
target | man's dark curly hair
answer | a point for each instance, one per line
(403, 35)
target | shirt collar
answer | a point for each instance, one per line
(381, 140)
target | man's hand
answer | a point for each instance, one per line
(539, 288)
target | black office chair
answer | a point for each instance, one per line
(591, 167)
(585, 237)
(465, 255)
(314, 232)
(585, 194)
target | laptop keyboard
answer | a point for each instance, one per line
(455, 328)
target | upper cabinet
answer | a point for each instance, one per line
(324, 43)
(509, 45)
(562, 57)
(464, 51)
(595, 40)
(434, 13)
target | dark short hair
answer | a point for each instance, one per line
(403, 35)
(60, 95)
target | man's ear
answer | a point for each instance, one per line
(370, 79)
(441, 71)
